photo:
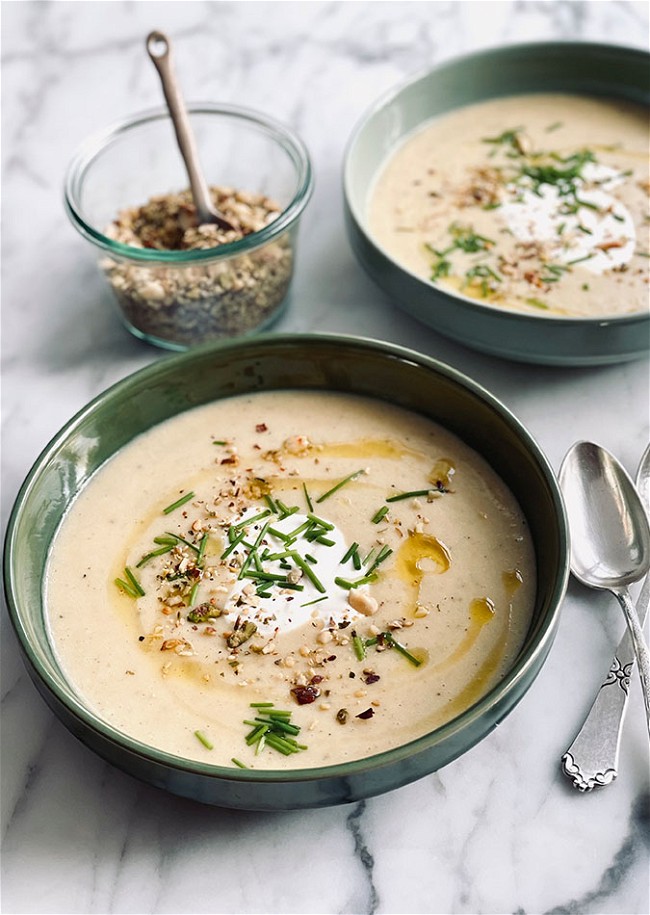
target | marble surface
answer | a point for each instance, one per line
(499, 830)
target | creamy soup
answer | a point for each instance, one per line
(534, 202)
(289, 580)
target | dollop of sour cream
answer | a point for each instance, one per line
(284, 608)
(600, 235)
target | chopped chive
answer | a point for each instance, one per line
(166, 541)
(383, 554)
(264, 576)
(180, 539)
(370, 556)
(135, 584)
(248, 521)
(325, 541)
(349, 585)
(310, 504)
(271, 504)
(278, 744)
(309, 572)
(239, 763)
(311, 559)
(402, 650)
(192, 597)
(219, 442)
(149, 556)
(256, 734)
(316, 600)
(359, 647)
(179, 502)
(279, 534)
(413, 494)
(204, 740)
(234, 544)
(350, 552)
(377, 517)
(348, 479)
(273, 728)
(285, 509)
(202, 546)
(537, 303)
(280, 725)
(387, 637)
(273, 557)
(253, 551)
(124, 586)
(320, 521)
(292, 535)
(579, 260)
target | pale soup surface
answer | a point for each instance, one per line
(352, 563)
(537, 203)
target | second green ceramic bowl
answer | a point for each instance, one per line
(178, 383)
(566, 67)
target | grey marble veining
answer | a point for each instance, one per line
(497, 831)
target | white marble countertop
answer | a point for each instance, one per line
(500, 829)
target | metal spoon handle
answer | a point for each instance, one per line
(592, 759)
(160, 51)
(640, 647)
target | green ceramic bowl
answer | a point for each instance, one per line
(180, 382)
(579, 68)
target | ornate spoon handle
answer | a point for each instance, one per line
(592, 758)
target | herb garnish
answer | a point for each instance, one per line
(168, 544)
(341, 483)
(413, 494)
(464, 239)
(379, 515)
(387, 639)
(132, 586)
(204, 740)
(179, 502)
(273, 728)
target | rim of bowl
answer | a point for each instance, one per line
(86, 153)
(393, 92)
(526, 659)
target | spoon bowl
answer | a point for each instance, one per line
(610, 536)
(609, 528)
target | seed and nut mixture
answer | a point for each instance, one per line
(187, 304)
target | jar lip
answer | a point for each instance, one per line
(90, 148)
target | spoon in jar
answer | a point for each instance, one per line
(610, 536)
(160, 51)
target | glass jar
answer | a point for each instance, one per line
(178, 298)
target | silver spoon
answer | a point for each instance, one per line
(592, 759)
(610, 536)
(160, 51)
